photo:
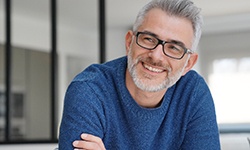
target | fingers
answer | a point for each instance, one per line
(86, 145)
(89, 142)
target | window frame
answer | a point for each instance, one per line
(54, 68)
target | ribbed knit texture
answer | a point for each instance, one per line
(98, 102)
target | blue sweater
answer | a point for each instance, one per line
(98, 102)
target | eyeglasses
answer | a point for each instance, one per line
(171, 49)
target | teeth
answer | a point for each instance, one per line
(153, 69)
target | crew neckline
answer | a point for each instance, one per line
(131, 104)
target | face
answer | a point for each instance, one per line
(151, 70)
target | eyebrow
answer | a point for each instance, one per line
(170, 41)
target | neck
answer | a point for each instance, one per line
(144, 98)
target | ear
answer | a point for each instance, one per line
(128, 40)
(191, 62)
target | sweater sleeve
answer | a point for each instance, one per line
(83, 113)
(202, 130)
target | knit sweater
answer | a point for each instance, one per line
(97, 102)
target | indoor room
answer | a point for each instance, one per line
(44, 44)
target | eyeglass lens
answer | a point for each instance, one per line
(150, 42)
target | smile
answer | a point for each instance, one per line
(156, 70)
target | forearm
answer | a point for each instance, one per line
(81, 115)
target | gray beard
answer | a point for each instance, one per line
(169, 81)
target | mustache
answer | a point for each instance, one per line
(152, 62)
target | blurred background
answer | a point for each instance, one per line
(38, 60)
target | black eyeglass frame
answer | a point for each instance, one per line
(186, 50)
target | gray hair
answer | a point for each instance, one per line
(180, 8)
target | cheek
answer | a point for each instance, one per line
(135, 51)
(176, 66)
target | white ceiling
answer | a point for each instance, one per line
(83, 13)
(210, 8)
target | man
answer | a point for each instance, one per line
(149, 99)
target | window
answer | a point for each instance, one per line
(30, 112)
(225, 64)
(34, 89)
(230, 84)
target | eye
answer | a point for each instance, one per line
(174, 48)
(149, 39)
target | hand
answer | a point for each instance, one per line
(89, 142)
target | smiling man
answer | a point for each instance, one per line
(149, 99)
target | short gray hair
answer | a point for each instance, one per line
(180, 8)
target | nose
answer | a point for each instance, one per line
(157, 53)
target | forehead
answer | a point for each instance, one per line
(168, 27)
